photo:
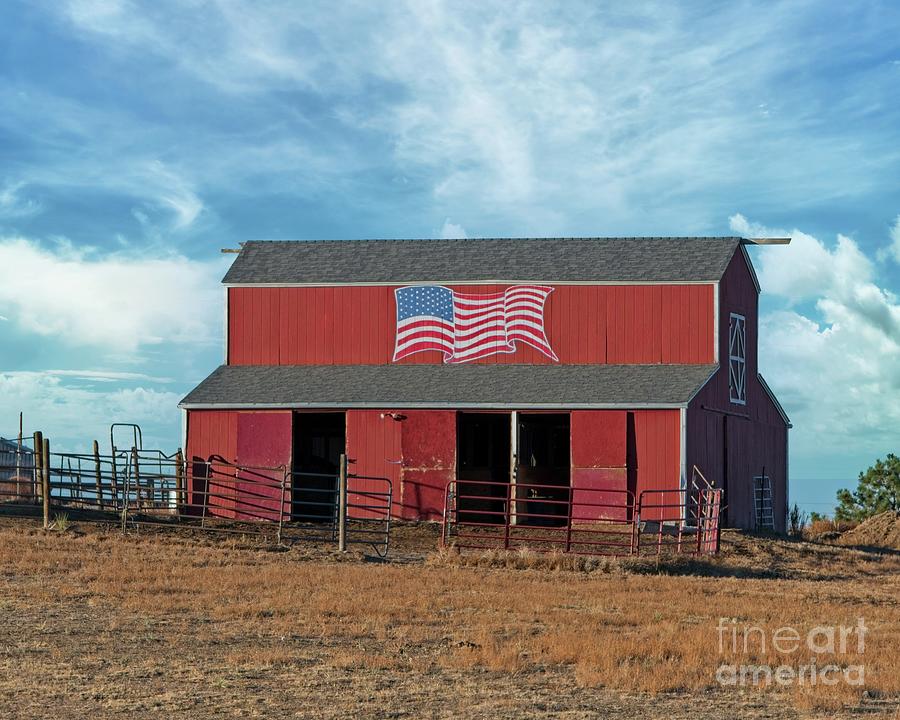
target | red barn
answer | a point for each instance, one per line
(611, 363)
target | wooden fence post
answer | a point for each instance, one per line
(113, 478)
(284, 478)
(20, 491)
(179, 481)
(97, 475)
(38, 471)
(46, 482)
(342, 504)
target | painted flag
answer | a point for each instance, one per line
(469, 326)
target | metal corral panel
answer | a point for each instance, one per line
(606, 324)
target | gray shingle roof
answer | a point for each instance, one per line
(676, 259)
(457, 386)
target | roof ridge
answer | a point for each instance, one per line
(658, 258)
(587, 238)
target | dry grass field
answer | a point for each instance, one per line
(94, 624)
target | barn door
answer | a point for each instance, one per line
(319, 441)
(483, 467)
(263, 441)
(543, 468)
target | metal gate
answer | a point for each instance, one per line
(149, 487)
(485, 515)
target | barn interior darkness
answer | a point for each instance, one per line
(485, 451)
(543, 460)
(319, 439)
(483, 455)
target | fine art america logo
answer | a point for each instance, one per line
(824, 651)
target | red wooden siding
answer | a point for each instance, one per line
(429, 462)
(247, 438)
(756, 432)
(263, 441)
(599, 462)
(210, 433)
(657, 449)
(625, 450)
(416, 451)
(373, 447)
(586, 324)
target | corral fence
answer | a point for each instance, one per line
(485, 515)
(141, 487)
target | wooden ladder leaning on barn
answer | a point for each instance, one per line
(762, 498)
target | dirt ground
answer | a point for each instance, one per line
(156, 623)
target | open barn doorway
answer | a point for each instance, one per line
(319, 440)
(543, 468)
(483, 452)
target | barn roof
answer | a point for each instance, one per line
(454, 386)
(317, 262)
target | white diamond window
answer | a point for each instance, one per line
(737, 359)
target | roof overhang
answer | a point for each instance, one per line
(494, 281)
(751, 269)
(778, 407)
(431, 406)
(439, 386)
(766, 241)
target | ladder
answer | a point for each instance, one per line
(762, 495)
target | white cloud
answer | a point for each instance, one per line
(895, 240)
(530, 106)
(104, 376)
(836, 365)
(80, 147)
(172, 192)
(115, 302)
(451, 230)
(12, 205)
(537, 118)
(72, 415)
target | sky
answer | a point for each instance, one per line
(139, 138)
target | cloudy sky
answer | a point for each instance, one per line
(136, 139)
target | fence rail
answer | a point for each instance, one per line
(484, 515)
(150, 487)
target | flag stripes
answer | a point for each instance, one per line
(469, 326)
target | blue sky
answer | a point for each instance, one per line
(136, 139)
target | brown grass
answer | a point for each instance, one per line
(827, 527)
(206, 625)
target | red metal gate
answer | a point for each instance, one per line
(485, 515)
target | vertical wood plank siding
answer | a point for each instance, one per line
(210, 433)
(586, 324)
(753, 442)
(373, 450)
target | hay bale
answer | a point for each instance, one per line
(882, 530)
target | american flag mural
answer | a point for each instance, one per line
(468, 326)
